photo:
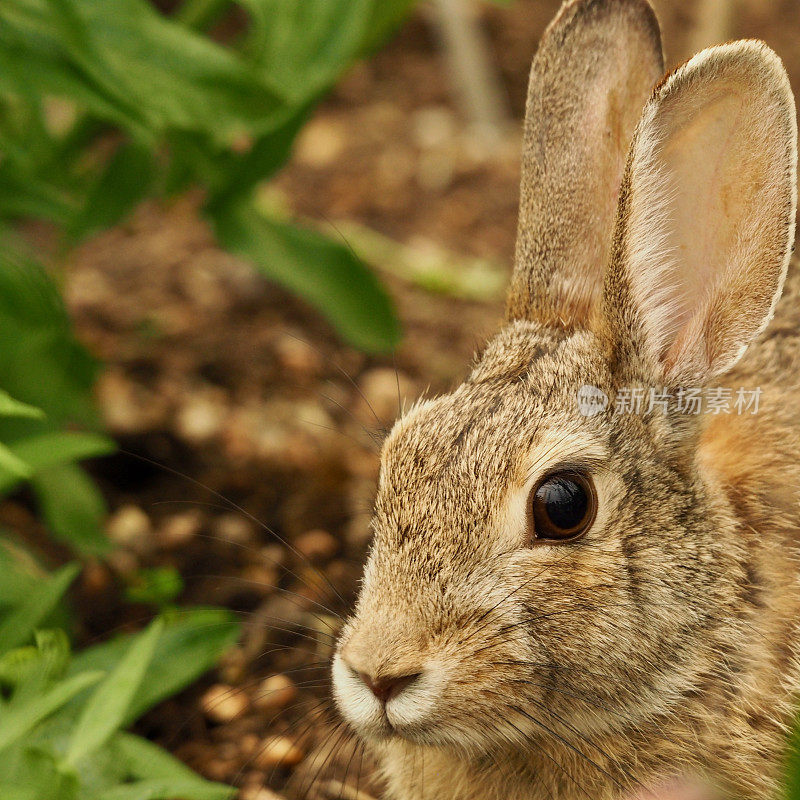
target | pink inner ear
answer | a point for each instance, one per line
(708, 191)
(707, 208)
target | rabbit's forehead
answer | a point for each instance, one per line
(517, 409)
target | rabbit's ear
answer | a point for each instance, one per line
(595, 67)
(706, 216)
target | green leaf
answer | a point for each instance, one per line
(155, 585)
(190, 645)
(47, 450)
(54, 648)
(73, 507)
(50, 655)
(325, 273)
(58, 447)
(107, 709)
(22, 574)
(13, 465)
(31, 195)
(16, 665)
(167, 789)
(236, 176)
(385, 18)
(35, 775)
(199, 14)
(41, 363)
(153, 74)
(9, 407)
(304, 47)
(19, 625)
(11, 791)
(792, 770)
(17, 720)
(125, 181)
(33, 61)
(143, 759)
(154, 773)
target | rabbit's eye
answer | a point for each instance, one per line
(562, 507)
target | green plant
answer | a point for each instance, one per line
(63, 717)
(105, 102)
(791, 783)
(42, 437)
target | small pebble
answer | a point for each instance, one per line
(130, 527)
(227, 751)
(436, 170)
(200, 419)
(339, 573)
(261, 578)
(234, 528)
(320, 143)
(232, 665)
(278, 751)
(127, 407)
(247, 746)
(395, 168)
(179, 529)
(124, 562)
(274, 554)
(433, 127)
(258, 793)
(222, 703)
(95, 577)
(218, 770)
(274, 693)
(317, 545)
(381, 396)
(297, 356)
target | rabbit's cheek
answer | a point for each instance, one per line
(416, 707)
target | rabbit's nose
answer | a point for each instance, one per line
(387, 687)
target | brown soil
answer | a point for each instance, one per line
(250, 423)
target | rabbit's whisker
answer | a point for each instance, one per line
(241, 510)
(288, 592)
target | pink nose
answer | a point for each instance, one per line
(385, 688)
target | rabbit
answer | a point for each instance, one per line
(564, 603)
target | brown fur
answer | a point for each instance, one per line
(595, 67)
(666, 640)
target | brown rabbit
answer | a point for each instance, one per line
(573, 599)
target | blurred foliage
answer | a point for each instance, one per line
(63, 716)
(157, 586)
(792, 774)
(105, 102)
(46, 378)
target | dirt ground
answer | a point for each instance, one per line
(249, 433)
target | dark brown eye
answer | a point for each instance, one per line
(562, 507)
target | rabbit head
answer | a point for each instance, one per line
(529, 553)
